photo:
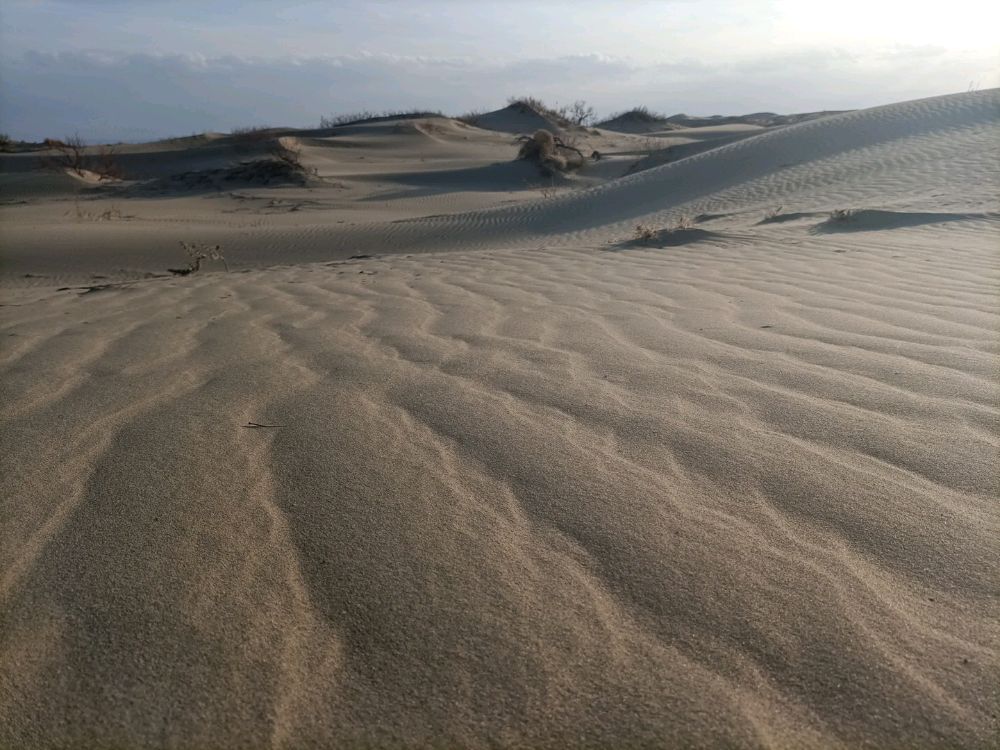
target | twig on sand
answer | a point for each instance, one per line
(255, 425)
(196, 254)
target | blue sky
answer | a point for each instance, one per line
(137, 69)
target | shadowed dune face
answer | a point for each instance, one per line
(735, 487)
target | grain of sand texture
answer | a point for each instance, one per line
(515, 480)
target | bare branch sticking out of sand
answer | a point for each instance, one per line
(196, 254)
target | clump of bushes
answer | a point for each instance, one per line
(638, 114)
(287, 151)
(250, 137)
(362, 118)
(72, 155)
(644, 233)
(550, 153)
(577, 114)
(471, 117)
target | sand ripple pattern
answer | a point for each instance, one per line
(722, 494)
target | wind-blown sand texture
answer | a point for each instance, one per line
(517, 480)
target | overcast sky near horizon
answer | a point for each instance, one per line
(140, 69)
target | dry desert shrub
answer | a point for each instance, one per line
(550, 153)
(579, 113)
(67, 155)
(647, 232)
(362, 118)
(196, 253)
(639, 114)
(71, 155)
(541, 145)
(548, 191)
(471, 117)
(105, 164)
(252, 133)
(644, 233)
(109, 214)
(250, 139)
(557, 115)
(288, 152)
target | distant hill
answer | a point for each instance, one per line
(642, 120)
(521, 116)
(637, 120)
(764, 119)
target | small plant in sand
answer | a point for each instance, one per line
(252, 139)
(67, 155)
(548, 191)
(647, 232)
(471, 117)
(197, 252)
(842, 214)
(682, 224)
(579, 113)
(550, 153)
(536, 105)
(71, 156)
(109, 214)
(105, 165)
(644, 233)
(288, 152)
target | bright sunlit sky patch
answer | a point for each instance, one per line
(131, 69)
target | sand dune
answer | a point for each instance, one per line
(734, 486)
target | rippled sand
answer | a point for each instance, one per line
(737, 488)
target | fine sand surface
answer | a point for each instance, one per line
(511, 478)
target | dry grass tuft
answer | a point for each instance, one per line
(361, 118)
(197, 252)
(682, 224)
(647, 232)
(288, 152)
(109, 214)
(644, 233)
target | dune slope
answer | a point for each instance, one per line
(735, 487)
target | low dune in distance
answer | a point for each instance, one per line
(700, 452)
